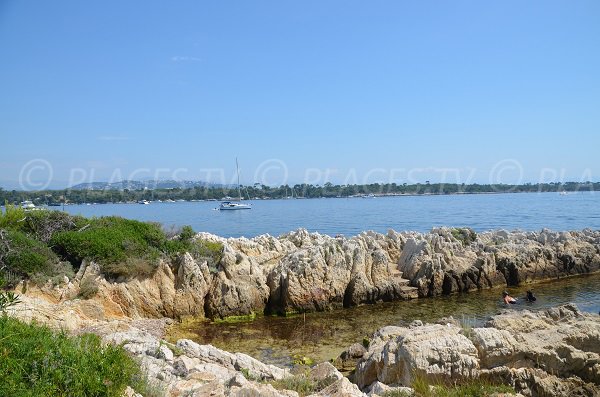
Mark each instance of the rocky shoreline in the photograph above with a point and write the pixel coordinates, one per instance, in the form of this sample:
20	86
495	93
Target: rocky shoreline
302	272
554	352
547	353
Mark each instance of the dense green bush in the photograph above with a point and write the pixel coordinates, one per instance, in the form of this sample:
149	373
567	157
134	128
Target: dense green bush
113	242
24	252
32	243
35	361
44	224
24	255
12	217
210	251
55	274
186	234
39	224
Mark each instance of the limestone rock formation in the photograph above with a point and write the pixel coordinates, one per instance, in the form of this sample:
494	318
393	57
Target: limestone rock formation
239	288
555	352
431	350
325	272
301	271
561	341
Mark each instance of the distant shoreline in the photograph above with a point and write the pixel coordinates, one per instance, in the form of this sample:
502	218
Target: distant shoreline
308	198
89	196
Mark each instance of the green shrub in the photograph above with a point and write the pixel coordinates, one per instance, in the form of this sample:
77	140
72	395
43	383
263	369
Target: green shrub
131	267
475	388
112	241
421	387
55	274
366	341
299	359
39	224
35	361
32	243
88	288
209	251
13	217
467	388
303	384
24	255
44	224
187	233
465	235
7	298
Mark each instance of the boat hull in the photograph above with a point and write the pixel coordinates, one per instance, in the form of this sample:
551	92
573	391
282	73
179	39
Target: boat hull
228	206
234	208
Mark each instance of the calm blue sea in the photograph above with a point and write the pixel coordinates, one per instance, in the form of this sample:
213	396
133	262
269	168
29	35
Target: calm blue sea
349	216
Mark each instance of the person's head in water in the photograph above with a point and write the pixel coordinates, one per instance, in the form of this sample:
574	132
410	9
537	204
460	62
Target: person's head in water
505	293
530	297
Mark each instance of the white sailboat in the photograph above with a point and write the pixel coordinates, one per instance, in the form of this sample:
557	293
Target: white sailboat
237	204
28	205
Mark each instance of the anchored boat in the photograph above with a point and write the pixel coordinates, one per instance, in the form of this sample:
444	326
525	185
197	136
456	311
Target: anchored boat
237	204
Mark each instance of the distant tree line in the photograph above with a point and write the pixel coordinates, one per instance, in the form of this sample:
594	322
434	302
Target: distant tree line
328	190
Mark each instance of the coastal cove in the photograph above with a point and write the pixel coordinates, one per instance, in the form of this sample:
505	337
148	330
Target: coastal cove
300	199
350	216
322	336
311	296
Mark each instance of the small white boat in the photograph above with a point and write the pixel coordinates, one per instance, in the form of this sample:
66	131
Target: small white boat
229	205
232	205
563	193
144	202
27	205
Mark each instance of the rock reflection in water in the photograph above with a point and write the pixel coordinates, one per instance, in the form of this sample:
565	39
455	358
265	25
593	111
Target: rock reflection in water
322	336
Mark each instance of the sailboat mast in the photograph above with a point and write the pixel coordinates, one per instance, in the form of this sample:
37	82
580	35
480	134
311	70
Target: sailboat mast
238	175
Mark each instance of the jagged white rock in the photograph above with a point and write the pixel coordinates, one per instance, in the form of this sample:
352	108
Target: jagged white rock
552	352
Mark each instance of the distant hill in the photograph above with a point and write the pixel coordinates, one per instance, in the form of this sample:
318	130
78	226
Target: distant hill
138	185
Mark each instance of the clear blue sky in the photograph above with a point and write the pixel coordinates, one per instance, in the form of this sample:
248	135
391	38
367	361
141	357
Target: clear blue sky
366	90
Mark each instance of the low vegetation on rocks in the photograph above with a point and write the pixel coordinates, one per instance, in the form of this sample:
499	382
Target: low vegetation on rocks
471	388
7	298
303	384
36	361
41	245
465	235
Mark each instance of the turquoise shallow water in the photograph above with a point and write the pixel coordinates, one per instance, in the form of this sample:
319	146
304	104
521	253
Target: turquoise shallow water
349	216
325	335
